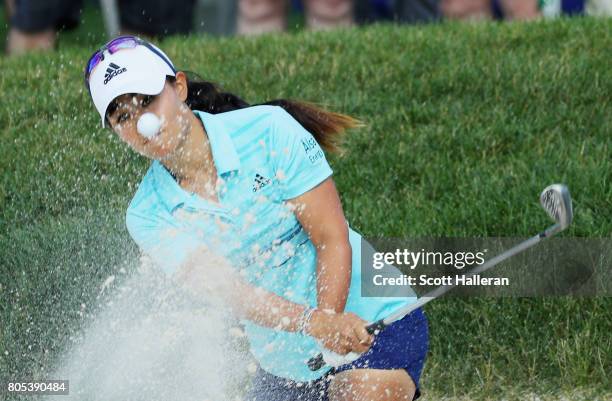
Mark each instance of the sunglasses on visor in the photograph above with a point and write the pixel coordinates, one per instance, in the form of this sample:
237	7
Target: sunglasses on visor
119	43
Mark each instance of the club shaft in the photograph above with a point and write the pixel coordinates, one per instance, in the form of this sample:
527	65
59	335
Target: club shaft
317	362
479	269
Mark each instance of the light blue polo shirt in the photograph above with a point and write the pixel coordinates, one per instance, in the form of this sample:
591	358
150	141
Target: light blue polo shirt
263	157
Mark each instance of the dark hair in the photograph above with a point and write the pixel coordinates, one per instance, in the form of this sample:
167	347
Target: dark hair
327	127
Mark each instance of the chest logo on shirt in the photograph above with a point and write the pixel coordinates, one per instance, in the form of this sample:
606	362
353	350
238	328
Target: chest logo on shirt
260	182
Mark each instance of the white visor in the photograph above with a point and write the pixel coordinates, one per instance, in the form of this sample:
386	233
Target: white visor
133	70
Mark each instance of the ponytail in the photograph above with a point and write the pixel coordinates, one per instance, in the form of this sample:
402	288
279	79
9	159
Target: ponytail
327	127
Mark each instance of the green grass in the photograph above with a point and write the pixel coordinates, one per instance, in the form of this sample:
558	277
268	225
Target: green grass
466	124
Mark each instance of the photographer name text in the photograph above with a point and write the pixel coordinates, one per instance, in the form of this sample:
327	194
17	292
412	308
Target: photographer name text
464	280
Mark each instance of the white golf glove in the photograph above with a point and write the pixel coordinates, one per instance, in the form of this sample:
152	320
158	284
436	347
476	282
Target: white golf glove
334	360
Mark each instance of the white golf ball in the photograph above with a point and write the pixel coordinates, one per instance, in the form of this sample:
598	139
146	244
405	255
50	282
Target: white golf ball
148	125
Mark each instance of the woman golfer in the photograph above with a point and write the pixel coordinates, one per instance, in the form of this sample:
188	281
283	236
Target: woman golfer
252	184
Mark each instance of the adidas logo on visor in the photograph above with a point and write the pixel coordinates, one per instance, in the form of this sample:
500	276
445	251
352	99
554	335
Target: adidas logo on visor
112	71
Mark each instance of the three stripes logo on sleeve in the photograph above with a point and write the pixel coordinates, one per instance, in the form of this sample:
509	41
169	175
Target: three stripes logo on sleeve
112	71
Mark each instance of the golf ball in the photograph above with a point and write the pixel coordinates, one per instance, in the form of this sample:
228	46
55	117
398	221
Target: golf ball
148	125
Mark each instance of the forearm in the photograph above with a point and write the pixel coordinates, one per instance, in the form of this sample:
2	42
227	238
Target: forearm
222	283
267	309
334	265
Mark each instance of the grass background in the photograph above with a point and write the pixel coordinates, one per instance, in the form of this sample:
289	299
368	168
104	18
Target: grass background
466	124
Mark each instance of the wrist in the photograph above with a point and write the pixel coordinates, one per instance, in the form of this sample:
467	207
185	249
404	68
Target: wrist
319	320
304	321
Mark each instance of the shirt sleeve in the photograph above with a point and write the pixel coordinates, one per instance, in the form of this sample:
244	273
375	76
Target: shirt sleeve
298	161
166	245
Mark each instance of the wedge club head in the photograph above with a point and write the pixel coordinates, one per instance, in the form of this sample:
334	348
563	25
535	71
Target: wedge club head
556	200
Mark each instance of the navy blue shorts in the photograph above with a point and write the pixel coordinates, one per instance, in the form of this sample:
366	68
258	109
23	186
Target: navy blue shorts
402	345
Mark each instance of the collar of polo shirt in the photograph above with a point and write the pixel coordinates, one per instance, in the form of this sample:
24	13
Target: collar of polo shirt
224	156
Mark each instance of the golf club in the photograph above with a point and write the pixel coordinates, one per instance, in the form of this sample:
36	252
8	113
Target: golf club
555	199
